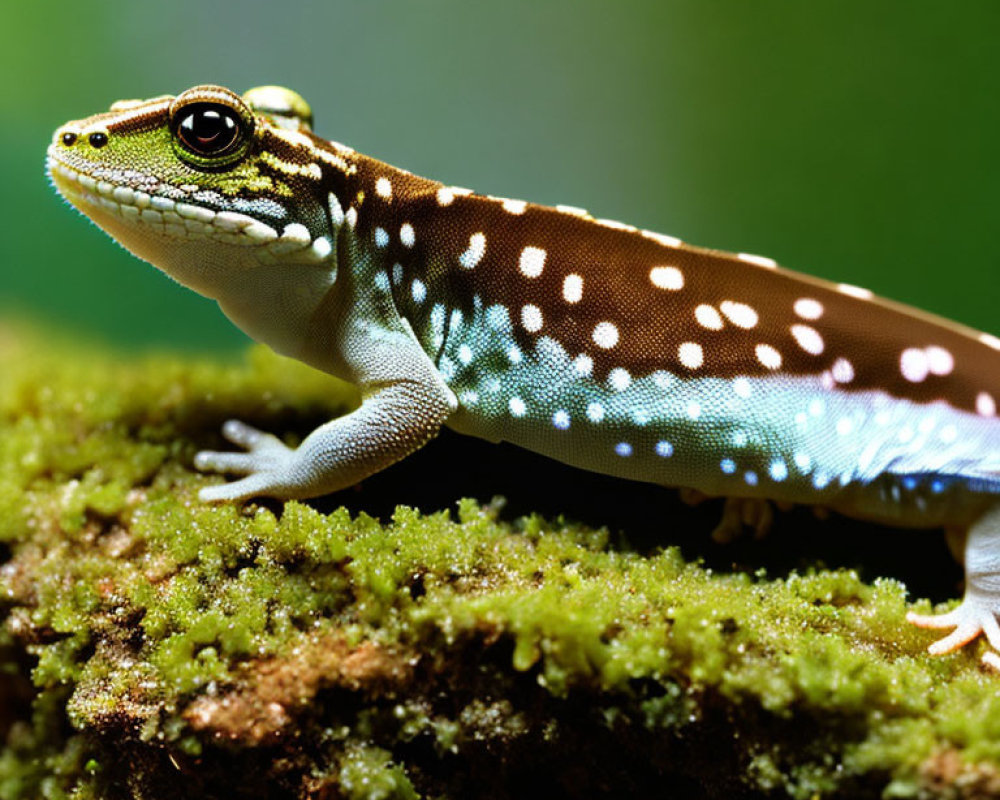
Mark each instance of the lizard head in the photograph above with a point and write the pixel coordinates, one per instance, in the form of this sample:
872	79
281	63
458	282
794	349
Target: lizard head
206	184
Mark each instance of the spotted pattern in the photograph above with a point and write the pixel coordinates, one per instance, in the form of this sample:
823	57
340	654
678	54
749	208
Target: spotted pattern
619	298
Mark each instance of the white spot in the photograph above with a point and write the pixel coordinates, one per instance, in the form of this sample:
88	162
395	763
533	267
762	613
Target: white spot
728	466
561	420
517	407
778	470
383	188
583	364
750	477
913	363
572	288
844	426
842	371
475	251
336	210
691	355
740	314
605	335
667	278
661	238
397	274
619	379
514	354
532	262
531	318
807	308
768	356
694	409
418	290
803	461
820	480
469	397
990	340
760	261
808	339
382	282
352	216
514	206
574	211
664	449
322	248
817	407
447	368
708	317
855	291
624	449
939	360
381	237
407	235
740	439
616	225
595	412
905	434
437	323
742	387
465	353
446	194
985	405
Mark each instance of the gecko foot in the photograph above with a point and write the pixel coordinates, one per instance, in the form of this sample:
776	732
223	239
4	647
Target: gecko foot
973	617
265	466
739	513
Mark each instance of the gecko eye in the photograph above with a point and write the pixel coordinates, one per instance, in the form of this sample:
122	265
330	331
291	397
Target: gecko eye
208	129
212	128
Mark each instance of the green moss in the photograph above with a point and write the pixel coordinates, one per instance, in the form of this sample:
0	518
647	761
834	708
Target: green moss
173	647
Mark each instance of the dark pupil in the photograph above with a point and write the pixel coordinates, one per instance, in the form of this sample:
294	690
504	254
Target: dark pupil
208	130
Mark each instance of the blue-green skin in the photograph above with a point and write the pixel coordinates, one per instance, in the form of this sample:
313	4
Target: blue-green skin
424	296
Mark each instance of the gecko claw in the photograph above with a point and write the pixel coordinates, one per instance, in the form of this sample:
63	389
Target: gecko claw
969	620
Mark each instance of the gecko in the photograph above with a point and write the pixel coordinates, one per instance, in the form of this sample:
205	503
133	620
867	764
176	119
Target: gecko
607	347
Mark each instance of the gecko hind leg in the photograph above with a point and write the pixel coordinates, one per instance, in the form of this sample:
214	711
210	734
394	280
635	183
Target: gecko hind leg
739	513
977	613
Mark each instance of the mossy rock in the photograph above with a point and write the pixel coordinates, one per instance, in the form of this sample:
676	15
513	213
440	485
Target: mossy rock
158	647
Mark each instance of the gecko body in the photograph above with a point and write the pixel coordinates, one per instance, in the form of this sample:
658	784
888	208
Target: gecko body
607	347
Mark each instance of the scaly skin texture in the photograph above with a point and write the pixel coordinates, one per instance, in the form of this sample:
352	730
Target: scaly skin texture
607	347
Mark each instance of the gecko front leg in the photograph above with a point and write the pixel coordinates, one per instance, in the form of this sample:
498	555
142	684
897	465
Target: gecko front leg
977	613
398	415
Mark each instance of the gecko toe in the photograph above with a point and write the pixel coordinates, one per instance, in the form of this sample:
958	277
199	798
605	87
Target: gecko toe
236	463
971	619
242	434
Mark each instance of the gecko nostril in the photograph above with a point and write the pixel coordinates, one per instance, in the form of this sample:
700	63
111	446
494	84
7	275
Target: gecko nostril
98	139
69	138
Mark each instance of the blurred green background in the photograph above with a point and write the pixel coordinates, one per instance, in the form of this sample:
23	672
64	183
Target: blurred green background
854	139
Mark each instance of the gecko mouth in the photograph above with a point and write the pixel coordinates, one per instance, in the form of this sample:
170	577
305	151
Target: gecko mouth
151	210
95	196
